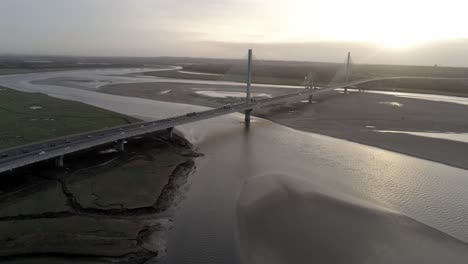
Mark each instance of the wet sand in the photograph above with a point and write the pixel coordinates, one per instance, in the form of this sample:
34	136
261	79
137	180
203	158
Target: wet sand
357	117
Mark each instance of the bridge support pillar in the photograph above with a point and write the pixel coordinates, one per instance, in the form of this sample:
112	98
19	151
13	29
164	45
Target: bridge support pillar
121	145
247	115
59	161
170	130
310	99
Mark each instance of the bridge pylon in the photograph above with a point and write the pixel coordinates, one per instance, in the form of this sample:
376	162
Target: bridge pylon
309	80
348	62
249	81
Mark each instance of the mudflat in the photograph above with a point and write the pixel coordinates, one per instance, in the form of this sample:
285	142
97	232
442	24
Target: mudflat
361	117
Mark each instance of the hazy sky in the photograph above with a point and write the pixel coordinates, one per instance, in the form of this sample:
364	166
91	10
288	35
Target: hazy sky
375	31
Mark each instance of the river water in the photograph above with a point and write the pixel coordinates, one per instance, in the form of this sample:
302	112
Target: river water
280	173
206	228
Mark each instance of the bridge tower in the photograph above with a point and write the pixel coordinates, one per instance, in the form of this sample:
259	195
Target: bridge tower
249	81
347	71
309	80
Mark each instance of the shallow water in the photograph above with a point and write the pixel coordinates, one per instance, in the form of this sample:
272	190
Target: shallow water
220	94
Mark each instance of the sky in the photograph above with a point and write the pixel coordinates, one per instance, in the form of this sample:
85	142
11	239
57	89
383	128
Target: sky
375	31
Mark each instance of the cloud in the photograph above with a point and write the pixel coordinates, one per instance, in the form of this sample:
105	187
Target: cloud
293	30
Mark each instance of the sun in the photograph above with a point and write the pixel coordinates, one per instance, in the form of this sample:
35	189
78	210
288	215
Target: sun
399	24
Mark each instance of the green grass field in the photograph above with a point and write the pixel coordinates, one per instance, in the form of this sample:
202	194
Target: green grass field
30	117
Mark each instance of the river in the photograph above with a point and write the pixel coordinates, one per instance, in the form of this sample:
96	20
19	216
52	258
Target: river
250	170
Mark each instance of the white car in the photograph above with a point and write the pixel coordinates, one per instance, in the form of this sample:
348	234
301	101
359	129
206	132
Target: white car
42	153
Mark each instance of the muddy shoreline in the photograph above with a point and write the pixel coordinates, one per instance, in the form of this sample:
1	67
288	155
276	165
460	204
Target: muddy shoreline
104	207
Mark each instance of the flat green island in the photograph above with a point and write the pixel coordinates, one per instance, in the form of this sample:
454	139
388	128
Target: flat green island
30	117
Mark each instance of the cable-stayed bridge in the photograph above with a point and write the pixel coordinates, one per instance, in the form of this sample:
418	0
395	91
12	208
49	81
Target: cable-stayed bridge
57	148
